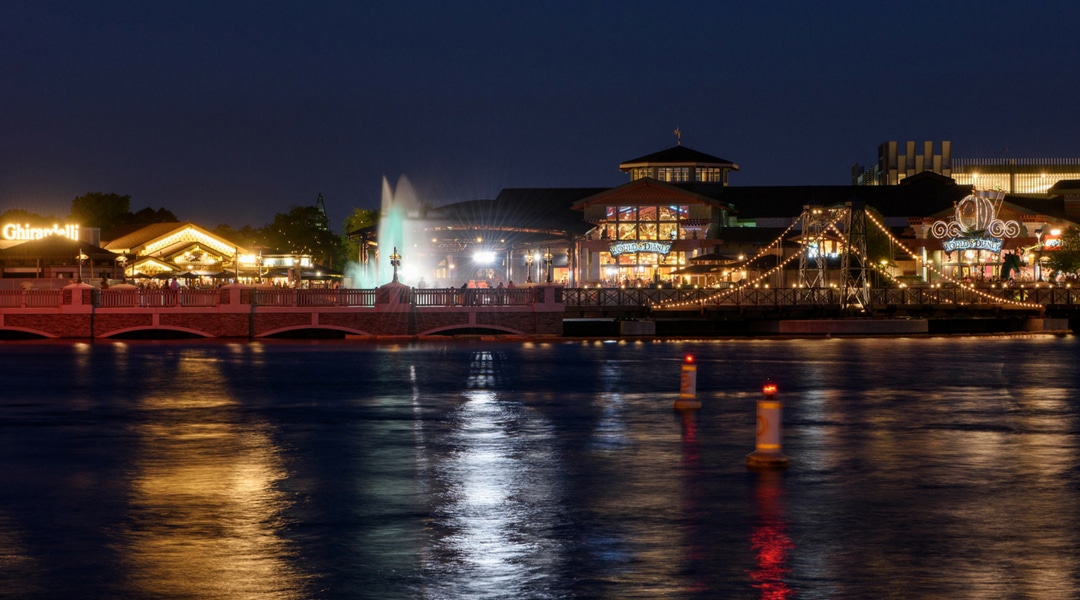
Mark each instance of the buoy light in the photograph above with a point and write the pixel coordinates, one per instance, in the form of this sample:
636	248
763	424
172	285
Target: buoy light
769	389
689	358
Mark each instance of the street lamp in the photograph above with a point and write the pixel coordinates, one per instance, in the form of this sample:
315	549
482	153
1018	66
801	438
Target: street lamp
395	261
81	258
122	261
528	267
548	260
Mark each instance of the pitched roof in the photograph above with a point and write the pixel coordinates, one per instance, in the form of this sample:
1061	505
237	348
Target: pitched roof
132	236
56	246
1065	186
648	191
678	155
889	200
525	208
146	234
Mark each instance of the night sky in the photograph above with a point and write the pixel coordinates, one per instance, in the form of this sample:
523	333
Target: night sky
229	112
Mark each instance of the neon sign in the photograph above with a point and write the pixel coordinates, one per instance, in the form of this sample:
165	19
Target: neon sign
617	248
976	217
14	231
972	243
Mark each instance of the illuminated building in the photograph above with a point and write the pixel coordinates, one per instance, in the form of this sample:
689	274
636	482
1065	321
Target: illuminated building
1026	176
680	164
175	249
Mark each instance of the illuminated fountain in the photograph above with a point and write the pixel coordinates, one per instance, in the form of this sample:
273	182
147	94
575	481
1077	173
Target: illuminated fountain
398	222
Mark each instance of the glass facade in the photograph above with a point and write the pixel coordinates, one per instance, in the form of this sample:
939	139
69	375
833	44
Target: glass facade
643	224
1015	179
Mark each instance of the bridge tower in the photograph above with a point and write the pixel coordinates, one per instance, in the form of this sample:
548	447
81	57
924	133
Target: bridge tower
856	290
815	221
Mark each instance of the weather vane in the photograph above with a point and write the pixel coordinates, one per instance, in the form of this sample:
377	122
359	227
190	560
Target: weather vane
678	137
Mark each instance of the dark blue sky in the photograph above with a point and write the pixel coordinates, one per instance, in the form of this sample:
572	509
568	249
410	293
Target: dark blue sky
234	111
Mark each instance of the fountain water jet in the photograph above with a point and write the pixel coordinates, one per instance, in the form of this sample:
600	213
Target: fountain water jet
399	227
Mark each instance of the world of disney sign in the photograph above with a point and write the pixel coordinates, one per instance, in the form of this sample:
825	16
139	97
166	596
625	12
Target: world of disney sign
617	248
15	231
975	225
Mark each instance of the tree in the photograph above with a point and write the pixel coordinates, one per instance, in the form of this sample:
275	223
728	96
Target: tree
300	232
96	209
246	236
359	218
18	215
149	215
1067	258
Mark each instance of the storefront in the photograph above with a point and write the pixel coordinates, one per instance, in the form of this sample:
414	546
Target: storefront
645	232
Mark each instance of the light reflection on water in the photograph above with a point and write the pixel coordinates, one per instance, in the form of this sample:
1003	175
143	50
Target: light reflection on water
204	513
922	468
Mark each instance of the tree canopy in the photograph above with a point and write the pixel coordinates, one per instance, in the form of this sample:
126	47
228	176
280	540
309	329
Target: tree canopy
18	215
301	231
1067	258
359	218
106	211
96	209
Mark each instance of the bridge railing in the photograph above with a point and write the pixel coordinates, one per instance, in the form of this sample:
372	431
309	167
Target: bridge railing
444	297
30	298
794	297
525	296
136	298
290	297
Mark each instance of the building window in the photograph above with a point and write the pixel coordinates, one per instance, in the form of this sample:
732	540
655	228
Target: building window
631	223
709	175
673	174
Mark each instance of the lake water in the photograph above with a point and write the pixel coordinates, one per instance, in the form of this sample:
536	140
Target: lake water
920	468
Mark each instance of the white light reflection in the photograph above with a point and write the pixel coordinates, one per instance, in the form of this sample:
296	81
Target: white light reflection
497	505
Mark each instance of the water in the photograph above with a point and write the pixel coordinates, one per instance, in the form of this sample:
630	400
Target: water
921	468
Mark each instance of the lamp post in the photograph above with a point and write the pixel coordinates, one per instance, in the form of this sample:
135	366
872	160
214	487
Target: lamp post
548	260
122	261
395	262
528	267
81	257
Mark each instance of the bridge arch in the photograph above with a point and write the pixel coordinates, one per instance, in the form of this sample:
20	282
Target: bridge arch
8	332
291	328
148	329
483	329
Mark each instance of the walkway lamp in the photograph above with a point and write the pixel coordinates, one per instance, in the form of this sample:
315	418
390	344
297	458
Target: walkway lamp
81	257
528	267
395	262
547	261
122	261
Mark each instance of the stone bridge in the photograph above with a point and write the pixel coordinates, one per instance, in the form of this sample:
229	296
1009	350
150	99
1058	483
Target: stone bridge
237	311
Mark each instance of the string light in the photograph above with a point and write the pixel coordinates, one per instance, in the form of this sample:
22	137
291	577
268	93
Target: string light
834	219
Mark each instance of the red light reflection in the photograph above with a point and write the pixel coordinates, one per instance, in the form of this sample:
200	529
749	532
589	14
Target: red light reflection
770	540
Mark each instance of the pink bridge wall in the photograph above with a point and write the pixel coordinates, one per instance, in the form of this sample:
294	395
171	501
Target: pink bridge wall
76	318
